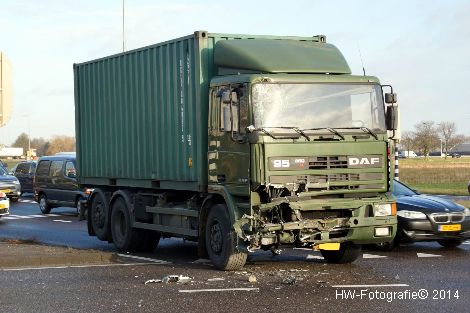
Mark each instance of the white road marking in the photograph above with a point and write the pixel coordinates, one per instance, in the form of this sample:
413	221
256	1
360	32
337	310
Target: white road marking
314	257
71	266
143	258
218	290
22	217
373	256
62	221
466	242
428	255
370	286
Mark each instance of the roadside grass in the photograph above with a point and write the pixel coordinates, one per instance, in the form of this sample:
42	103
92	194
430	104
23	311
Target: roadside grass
465	203
436	175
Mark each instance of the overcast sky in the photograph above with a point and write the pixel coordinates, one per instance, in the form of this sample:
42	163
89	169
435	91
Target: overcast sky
422	48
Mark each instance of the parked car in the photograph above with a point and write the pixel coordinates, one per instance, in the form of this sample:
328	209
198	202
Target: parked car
4	204
455	155
428	218
9	184
55	183
24	171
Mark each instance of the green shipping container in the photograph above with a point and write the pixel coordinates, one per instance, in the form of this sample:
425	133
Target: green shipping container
141	116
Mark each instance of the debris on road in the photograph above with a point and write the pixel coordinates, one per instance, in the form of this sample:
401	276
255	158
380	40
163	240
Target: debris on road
252	279
290	280
170	279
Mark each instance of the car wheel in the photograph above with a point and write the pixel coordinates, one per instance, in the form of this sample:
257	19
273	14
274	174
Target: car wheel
14	199
347	253
450	243
44	206
221	241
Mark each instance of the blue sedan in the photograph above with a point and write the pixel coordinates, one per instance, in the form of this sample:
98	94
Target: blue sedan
428	218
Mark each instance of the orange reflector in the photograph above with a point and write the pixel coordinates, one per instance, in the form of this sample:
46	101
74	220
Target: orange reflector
394	208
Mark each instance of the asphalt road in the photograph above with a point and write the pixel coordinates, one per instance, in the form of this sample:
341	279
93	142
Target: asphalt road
297	281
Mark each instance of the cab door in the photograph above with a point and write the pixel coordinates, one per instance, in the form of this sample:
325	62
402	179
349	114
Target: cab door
229	152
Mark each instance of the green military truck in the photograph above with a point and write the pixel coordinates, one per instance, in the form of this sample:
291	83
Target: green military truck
238	142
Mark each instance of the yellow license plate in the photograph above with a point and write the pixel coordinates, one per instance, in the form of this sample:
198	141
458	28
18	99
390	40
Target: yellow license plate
450	227
6	190
3	205
328	246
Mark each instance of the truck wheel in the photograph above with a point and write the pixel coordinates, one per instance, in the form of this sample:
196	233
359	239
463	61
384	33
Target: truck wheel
125	237
99	217
149	240
221	241
450	243
347	253
43	204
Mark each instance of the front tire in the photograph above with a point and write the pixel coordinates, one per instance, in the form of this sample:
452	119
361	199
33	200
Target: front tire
347	253
450	243
221	241
44	206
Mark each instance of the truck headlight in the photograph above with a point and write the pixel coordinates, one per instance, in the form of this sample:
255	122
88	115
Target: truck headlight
385	209
412	215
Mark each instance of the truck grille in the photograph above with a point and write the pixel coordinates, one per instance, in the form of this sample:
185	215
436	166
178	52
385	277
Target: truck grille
441	218
327	162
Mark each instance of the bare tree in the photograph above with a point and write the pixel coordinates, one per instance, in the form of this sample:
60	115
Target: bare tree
426	137
447	132
61	144
22	141
407	140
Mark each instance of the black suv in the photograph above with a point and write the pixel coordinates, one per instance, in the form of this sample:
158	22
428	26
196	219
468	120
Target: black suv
24	171
55	182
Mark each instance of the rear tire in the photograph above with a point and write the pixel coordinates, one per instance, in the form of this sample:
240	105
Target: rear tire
347	253
221	240
125	237
44	206
450	243
100	216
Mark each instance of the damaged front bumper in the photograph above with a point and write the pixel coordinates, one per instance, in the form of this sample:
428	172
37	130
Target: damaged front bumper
314	222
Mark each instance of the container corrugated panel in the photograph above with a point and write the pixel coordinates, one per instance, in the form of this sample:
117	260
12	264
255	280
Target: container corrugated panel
141	116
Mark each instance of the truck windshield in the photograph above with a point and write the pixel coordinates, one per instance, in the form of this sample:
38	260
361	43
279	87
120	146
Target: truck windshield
314	106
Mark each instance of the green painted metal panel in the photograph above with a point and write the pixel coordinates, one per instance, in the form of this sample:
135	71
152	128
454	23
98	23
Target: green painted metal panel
280	56
141	116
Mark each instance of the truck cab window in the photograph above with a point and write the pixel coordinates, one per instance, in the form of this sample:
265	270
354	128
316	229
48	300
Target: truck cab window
233	108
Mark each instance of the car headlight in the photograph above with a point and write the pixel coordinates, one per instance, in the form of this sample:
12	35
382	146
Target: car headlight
385	209
467	212
412	215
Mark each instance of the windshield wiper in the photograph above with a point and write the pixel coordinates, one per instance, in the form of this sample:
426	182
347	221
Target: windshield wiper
368	130
296	129
331	130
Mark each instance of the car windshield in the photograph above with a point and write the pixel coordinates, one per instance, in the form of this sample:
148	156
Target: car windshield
3	171
400	190
307	106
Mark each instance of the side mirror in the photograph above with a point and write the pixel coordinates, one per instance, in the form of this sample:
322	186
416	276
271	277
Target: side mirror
71	175
391	98
392	117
